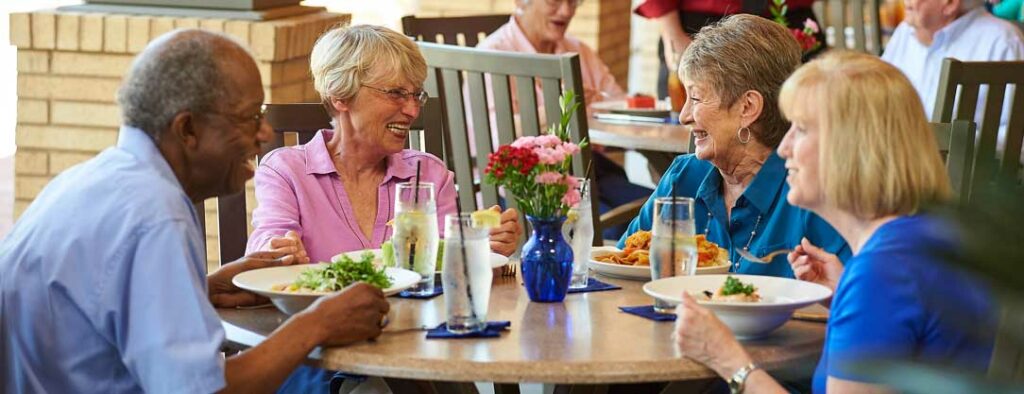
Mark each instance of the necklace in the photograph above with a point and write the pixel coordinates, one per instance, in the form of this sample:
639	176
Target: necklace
746	247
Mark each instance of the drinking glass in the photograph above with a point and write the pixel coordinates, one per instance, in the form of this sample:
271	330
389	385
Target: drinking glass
673	246
415	235
580	228
466	274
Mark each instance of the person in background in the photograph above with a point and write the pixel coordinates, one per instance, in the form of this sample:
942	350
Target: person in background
679	20
732	72
1008	9
861	154
102	286
336	193
540	26
933	30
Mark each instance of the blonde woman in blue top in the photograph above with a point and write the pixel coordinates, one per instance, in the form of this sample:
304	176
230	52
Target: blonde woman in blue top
732	73
861	154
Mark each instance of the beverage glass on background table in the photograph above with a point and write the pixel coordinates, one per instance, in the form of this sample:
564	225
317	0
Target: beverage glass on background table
580	229
673	245
466	274
415	236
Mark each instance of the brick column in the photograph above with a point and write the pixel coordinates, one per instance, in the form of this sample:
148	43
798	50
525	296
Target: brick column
70	66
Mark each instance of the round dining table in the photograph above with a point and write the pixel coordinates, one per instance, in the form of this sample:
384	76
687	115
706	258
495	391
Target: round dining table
658	142
584	340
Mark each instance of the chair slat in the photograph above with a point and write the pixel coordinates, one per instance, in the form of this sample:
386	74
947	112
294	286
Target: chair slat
552	88
463	166
857	16
481	132
1014	134
503	109
527	98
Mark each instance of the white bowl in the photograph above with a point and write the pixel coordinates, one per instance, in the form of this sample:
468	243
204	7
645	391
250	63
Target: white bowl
637	272
779	298
497	260
260	281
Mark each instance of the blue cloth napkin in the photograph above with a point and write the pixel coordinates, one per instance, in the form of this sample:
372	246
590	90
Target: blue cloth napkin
493	330
594	285
647	312
438	290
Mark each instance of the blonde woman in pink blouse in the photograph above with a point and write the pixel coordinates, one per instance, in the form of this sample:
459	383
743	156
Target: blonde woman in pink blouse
336	193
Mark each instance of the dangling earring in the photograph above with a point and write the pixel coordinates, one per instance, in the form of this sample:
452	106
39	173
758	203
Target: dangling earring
739	134
519	11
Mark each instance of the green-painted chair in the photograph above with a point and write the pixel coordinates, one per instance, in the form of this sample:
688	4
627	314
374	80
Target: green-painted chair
447	30
487	79
960	86
956	145
851	24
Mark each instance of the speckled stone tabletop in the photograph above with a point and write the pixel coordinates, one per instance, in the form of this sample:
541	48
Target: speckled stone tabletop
586	339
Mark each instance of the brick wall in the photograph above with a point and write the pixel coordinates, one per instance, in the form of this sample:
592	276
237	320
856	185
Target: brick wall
604	25
70	66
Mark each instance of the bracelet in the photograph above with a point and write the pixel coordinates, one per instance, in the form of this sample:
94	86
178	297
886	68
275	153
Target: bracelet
739	379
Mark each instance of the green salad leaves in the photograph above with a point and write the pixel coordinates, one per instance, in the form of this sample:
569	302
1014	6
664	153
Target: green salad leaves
341	273
734	286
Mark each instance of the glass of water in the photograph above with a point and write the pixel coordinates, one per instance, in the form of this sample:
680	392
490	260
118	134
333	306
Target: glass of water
673	246
580	228
466	274
415	235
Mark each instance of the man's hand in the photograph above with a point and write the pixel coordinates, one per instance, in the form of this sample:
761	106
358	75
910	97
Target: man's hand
505	237
224	294
350	316
290	243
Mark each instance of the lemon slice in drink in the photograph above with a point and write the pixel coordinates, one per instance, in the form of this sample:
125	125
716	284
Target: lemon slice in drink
485	218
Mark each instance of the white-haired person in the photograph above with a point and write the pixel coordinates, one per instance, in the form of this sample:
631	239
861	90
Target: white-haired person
862	155
336	193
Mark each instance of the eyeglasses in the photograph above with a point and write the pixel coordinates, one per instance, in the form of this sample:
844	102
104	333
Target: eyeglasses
257	118
558	3
399	95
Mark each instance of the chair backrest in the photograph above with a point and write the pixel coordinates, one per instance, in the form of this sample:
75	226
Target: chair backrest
1007	364
956	145
960	85
486	79
298	124
449	28
851	24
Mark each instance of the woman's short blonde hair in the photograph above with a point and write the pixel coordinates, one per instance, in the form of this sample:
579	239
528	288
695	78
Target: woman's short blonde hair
878	153
743	53
344	58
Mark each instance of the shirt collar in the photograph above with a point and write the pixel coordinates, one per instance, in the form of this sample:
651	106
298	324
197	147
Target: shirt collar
762	190
318	158
957	27
139	144
319	161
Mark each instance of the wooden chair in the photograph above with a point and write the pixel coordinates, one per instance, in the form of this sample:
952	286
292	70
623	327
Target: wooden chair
450	28
458	74
960	85
956	145
840	18
298	124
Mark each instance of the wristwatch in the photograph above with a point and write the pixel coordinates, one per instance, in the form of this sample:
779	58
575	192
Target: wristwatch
739	379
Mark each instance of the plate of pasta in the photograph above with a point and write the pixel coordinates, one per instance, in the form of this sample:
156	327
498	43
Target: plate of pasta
634	262
751	306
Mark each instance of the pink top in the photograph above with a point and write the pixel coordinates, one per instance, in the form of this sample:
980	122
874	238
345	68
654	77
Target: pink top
298	188
596	77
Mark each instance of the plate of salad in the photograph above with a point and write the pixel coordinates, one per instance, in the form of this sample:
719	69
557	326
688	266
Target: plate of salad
294	287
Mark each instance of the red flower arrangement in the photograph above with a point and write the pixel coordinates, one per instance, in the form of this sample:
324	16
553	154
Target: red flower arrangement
806	36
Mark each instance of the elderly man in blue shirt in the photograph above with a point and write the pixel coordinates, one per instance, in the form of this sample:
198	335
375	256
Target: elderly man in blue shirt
102	285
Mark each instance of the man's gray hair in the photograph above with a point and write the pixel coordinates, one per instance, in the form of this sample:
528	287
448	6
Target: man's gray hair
181	74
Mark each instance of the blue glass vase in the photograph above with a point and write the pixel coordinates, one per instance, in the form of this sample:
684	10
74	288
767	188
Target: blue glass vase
547	261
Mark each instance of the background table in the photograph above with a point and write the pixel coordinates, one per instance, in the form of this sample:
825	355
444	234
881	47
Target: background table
658	142
586	339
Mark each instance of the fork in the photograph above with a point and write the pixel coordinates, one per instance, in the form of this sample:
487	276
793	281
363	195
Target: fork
510	268
767	259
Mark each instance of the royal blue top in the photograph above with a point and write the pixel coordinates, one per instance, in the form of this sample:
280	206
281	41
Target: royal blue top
103	283
763	204
895	300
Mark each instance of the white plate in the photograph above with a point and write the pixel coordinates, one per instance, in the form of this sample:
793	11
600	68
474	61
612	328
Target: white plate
636	272
497	260
261	280
661	108
780	297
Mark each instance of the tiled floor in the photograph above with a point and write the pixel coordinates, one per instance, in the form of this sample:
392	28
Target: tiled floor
6	194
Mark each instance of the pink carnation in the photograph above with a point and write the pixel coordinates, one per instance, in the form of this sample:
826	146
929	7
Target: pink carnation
571	197
572	182
525	142
548	141
811	25
549	178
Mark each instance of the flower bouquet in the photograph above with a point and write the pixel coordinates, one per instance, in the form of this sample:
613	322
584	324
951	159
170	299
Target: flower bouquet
536	172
